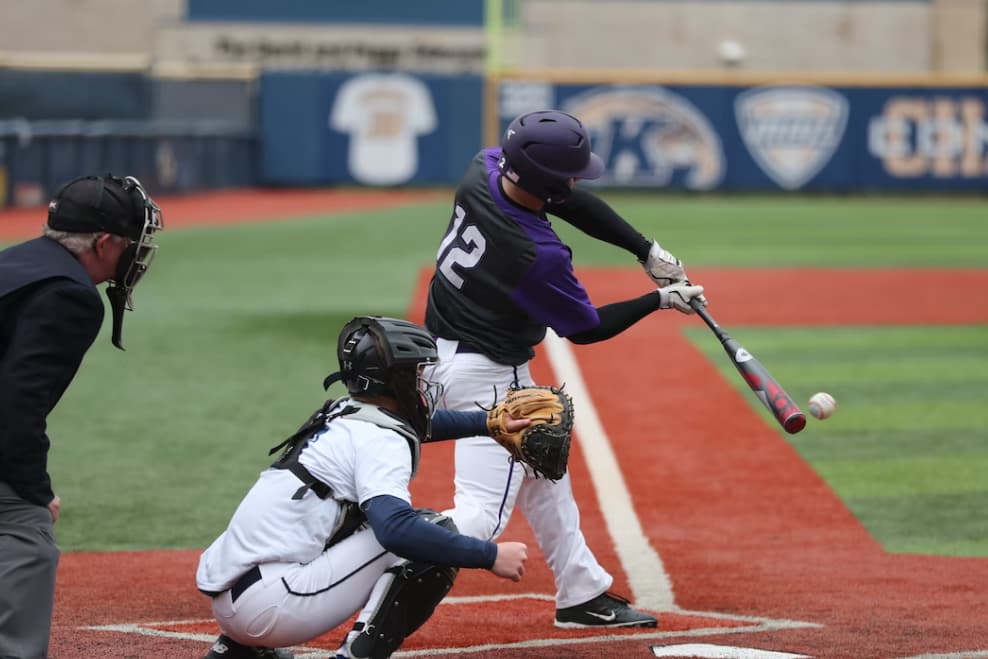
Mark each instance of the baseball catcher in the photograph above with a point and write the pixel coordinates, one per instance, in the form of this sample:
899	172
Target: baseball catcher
328	532
544	444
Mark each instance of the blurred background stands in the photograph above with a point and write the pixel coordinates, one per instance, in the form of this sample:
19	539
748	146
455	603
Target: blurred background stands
203	94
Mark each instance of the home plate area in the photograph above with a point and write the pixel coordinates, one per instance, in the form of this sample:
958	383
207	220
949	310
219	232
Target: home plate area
502	625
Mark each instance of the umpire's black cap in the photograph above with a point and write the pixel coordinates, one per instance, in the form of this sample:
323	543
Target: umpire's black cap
90	204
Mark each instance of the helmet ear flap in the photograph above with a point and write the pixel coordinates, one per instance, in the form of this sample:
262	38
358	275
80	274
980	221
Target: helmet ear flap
370	348
362	362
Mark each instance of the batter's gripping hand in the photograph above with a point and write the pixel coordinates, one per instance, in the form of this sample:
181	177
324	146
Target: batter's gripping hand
678	296
544	444
662	267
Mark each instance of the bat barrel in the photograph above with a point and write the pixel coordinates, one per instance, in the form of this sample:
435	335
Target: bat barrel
794	423
769	392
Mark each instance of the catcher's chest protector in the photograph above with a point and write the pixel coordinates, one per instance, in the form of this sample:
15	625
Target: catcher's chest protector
386	419
351	409
351	516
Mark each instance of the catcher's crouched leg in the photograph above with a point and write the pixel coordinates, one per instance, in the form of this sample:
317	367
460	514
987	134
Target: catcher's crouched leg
402	600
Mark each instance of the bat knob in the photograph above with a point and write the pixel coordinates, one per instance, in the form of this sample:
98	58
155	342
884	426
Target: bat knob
794	423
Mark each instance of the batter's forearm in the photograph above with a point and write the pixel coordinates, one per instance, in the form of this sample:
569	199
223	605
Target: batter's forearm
617	317
591	215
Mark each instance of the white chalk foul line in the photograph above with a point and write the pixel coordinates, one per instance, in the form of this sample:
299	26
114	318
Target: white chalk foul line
754	624
650	584
975	654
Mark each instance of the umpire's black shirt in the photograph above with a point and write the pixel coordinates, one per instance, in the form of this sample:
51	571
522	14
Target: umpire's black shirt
50	314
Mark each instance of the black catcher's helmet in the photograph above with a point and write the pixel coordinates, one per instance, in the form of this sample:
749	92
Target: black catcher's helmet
382	356
121	206
542	150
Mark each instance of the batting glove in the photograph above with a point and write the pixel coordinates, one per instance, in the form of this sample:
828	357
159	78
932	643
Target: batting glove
678	296
662	267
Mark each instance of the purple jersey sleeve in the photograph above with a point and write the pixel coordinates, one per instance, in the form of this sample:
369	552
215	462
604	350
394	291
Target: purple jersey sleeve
549	291
551	294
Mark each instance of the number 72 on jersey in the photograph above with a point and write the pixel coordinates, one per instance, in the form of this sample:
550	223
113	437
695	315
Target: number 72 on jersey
450	253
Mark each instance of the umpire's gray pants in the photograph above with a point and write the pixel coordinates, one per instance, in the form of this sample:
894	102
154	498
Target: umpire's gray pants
28	561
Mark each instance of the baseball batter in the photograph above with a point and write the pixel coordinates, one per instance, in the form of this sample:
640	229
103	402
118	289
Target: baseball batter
502	277
329	528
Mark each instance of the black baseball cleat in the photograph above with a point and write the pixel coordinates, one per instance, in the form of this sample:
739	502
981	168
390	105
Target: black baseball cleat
605	610
226	648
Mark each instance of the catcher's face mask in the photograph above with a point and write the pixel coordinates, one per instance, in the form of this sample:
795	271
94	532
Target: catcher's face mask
136	259
381	356
430	393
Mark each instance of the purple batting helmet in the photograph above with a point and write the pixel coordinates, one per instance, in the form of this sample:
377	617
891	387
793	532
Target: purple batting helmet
542	150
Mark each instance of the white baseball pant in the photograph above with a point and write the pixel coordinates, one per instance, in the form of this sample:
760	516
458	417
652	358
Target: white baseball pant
323	594
488	485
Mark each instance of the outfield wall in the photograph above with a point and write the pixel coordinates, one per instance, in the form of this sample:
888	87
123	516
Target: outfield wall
769	133
391	93
168	157
378	129
175	133
689	132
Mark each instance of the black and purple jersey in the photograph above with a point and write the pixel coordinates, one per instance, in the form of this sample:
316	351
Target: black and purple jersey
502	274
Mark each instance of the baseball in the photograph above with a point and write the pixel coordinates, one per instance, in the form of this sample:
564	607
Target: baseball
731	52
822	405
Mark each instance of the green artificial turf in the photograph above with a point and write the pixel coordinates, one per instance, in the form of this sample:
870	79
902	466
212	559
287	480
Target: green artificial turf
907	448
799	231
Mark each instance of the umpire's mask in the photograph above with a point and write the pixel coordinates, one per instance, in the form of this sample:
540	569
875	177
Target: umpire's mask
121	207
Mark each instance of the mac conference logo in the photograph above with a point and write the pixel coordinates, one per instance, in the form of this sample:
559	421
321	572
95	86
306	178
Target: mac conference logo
943	136
649	136
791	132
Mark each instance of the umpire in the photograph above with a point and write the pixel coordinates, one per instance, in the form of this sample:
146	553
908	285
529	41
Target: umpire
99	229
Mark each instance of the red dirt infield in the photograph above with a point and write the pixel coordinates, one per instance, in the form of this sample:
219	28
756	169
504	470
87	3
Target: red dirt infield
761	554
236	207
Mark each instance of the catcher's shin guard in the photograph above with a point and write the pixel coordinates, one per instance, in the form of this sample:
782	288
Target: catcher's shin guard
402	600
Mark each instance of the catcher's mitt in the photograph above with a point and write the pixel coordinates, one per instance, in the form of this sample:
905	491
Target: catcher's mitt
543	445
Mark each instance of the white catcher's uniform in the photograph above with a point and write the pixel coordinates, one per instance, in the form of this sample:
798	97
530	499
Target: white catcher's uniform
305	590
488	485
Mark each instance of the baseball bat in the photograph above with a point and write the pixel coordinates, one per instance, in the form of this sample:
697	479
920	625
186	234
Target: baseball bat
766	388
